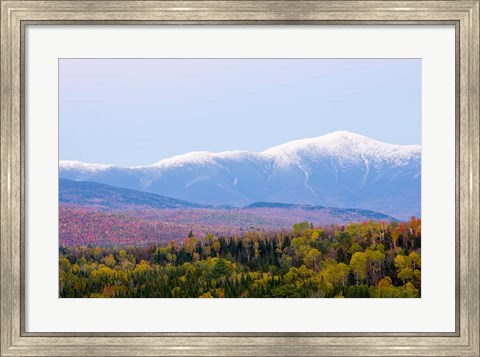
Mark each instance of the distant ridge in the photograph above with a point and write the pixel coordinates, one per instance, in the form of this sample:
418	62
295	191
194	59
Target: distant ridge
331	210
341	169
93	194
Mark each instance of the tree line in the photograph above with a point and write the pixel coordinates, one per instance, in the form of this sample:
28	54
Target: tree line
359	260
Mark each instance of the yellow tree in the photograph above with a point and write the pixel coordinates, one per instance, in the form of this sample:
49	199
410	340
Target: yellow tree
312	259
190	245
358	265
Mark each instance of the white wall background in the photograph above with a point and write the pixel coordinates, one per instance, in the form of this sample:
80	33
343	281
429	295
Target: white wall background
434	312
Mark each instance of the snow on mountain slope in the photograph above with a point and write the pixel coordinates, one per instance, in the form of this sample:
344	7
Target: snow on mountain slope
340	169
83	167
342	146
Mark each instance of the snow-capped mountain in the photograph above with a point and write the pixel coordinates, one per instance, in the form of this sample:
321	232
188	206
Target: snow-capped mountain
340	169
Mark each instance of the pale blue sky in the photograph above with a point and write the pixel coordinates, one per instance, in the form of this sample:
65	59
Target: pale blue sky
137	111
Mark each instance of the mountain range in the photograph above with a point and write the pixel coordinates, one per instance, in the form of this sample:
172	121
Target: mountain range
341	169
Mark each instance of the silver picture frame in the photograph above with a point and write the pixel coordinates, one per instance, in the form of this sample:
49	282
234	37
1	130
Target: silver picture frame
17	15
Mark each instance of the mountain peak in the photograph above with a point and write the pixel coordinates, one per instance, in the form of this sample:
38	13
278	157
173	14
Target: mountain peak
196	157
343	145
201	158
82	166
345	134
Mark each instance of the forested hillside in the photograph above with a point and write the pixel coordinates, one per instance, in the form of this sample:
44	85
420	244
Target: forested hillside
367	259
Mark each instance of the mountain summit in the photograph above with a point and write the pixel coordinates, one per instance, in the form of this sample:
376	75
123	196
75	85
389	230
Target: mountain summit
341	169
344	145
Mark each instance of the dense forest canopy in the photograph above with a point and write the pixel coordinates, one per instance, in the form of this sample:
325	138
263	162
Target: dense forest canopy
367	259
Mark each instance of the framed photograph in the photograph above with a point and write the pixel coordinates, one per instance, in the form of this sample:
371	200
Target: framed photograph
240	178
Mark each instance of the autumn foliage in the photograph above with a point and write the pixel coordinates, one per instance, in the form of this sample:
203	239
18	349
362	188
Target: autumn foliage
367	259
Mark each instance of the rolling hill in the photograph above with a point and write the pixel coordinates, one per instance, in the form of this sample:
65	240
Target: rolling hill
97	195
